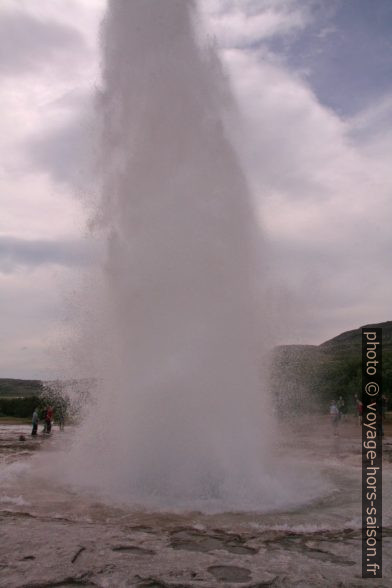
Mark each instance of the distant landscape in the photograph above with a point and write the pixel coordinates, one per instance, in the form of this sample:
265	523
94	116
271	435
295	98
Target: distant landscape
304	378
307	377
19	398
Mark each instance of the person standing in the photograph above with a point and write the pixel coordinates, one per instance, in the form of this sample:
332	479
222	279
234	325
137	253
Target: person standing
335	415
61	419
48	419
341	407
360	411
34	421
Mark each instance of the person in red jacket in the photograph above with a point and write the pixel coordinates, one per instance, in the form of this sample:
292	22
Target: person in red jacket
48	419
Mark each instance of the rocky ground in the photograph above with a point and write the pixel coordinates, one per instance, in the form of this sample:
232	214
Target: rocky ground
57	536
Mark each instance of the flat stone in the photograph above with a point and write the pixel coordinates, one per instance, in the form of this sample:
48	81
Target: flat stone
230	573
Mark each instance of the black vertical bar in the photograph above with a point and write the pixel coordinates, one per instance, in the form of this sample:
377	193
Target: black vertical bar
372	432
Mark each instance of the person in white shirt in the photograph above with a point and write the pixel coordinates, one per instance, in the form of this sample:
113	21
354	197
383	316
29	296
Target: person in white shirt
335	416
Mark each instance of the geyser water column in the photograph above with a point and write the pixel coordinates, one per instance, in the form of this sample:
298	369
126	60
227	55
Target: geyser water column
175	327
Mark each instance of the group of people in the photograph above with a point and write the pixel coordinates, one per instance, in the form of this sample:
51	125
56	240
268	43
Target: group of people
337	411
47	418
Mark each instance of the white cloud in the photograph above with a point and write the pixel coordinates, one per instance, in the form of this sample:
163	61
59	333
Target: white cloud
32	207
81	15
28	44
16	253
245	22
33	327
322	184
323	199
49	65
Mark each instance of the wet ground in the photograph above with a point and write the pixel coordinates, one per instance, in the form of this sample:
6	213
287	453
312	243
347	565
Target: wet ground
53	535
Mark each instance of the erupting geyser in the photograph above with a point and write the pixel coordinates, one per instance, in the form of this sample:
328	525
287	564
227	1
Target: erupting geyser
175	329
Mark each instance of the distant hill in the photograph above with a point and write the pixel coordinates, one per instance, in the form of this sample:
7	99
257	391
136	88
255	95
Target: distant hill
351	341
10	387
308	377
18	398
303	377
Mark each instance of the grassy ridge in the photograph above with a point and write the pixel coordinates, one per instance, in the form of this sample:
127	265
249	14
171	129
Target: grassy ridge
19	398
19	388
308	377
19	407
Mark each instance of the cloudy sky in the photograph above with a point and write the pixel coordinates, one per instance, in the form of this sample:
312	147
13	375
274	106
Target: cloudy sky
313	83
